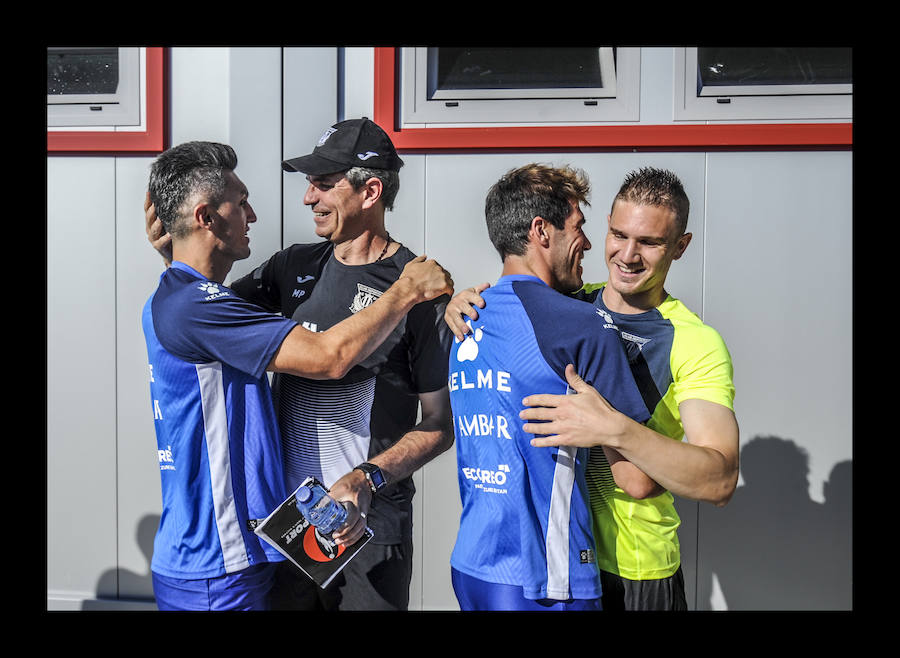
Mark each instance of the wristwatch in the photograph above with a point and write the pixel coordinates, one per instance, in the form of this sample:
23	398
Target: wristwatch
374	476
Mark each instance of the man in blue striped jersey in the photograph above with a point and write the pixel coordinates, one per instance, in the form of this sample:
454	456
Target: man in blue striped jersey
209	351
525	540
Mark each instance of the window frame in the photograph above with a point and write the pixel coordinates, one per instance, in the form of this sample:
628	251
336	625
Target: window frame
148	137
606	137
120	108
618	102
756	102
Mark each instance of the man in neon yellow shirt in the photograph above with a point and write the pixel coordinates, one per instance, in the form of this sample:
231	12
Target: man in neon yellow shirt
684	371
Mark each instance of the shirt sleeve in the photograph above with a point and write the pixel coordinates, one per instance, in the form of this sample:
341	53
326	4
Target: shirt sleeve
261	285
202	326
430	341
702	367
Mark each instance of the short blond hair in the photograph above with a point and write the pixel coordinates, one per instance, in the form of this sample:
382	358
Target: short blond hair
650	186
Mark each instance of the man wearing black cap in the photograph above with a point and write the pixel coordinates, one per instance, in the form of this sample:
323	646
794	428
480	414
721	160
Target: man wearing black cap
358	435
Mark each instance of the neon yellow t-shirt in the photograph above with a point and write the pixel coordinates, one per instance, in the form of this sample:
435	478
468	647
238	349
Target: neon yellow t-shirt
674	357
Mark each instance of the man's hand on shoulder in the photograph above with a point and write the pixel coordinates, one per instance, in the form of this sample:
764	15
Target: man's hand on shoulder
464	305
426	279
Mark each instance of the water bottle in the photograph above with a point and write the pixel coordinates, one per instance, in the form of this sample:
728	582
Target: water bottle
320	509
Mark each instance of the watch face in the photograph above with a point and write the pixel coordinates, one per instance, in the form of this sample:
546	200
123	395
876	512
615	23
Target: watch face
373	475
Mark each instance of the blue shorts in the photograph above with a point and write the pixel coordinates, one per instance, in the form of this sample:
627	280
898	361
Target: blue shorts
247	589
474	594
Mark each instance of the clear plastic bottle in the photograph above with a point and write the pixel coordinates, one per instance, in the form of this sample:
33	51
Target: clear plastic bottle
320	509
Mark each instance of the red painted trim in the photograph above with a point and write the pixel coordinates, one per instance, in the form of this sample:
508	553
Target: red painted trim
150	140
686	136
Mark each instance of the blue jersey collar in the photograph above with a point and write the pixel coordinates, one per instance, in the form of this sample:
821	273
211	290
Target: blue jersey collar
184	267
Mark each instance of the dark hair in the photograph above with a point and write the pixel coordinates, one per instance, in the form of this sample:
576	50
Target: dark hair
656	187
527	192
390	180
184	171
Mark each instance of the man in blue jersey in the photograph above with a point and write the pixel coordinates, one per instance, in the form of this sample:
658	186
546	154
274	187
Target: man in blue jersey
525	540
684	371
209	351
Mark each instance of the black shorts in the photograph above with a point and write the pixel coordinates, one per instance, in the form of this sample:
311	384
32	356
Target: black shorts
377	578
661	594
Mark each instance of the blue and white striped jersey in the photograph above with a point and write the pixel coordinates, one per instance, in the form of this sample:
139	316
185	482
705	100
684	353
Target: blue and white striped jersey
217	438
526	518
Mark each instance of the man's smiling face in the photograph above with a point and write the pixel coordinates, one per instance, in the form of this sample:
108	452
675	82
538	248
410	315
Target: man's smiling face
335	205
641	244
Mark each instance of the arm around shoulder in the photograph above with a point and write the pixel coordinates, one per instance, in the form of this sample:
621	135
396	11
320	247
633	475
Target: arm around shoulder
331	354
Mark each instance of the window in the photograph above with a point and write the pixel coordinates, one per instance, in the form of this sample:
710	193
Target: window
106	100
471	86
93	87
763	84
390	94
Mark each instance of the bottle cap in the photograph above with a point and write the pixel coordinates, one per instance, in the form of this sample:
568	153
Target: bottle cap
304	494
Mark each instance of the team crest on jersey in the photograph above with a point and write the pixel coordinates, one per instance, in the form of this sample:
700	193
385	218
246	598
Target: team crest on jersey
468	351
364	296
637	340
212	290
634	345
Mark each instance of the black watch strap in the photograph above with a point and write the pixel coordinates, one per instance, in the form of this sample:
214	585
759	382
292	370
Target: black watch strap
374	476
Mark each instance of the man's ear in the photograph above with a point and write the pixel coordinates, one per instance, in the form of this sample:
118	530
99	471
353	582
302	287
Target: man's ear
539	228
202	216
681	245
372	191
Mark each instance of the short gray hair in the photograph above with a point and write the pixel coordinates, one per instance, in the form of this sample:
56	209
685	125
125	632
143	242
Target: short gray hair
183	171
390	181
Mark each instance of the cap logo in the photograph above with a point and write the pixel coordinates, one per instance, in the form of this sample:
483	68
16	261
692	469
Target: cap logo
328	133
366	155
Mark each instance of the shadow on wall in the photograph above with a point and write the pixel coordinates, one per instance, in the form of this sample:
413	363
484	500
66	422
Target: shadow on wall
128	584
773	547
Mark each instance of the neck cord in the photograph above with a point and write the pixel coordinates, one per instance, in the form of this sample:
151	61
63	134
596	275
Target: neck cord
384	251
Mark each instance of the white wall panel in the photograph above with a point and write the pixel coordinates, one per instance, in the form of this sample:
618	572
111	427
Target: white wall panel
656	85
81	378
359	72
138	268
200	95
254	128
310	107
406	222
779	288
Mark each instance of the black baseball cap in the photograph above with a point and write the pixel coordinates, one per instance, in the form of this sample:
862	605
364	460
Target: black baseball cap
347	144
